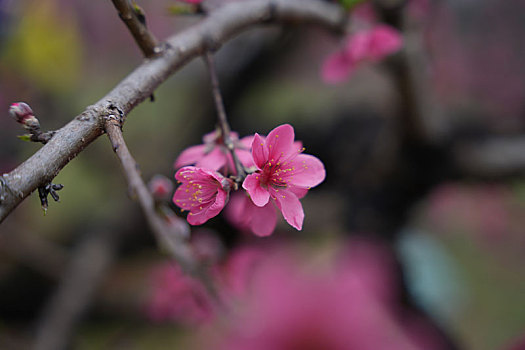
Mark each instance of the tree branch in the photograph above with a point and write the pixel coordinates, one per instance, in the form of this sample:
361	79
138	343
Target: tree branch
493	158
88	265
178	247
143	37
211	33
180	250
223	119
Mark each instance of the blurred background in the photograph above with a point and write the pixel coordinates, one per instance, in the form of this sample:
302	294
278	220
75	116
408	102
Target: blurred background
424	153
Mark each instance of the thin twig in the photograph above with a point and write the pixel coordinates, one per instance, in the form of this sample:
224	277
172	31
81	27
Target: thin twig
223	119
178	247
143	37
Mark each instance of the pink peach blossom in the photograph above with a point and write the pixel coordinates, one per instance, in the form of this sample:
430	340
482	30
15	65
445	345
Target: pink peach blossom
202	192
214	154
175	296
290	303
364	46
282	173
384	40
245	215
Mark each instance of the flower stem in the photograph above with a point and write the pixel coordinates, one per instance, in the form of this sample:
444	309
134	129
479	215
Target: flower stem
223	120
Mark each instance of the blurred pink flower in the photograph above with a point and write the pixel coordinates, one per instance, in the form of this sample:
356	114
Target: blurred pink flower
177	297
245	215
283	174
207	246
214	155
481	210
202	192
364	46
285	303
235	274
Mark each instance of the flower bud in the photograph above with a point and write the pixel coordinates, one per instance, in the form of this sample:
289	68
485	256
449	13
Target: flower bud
161	188
23	114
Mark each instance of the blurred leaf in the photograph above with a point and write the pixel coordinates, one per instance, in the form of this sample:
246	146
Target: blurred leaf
182	9
25	137
348	4
46	46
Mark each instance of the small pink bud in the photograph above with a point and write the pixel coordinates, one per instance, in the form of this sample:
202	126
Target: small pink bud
161	188
23	114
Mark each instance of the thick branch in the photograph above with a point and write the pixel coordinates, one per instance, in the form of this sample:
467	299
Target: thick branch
143	37
211	33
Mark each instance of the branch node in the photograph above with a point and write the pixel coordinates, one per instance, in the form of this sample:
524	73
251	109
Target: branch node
211	45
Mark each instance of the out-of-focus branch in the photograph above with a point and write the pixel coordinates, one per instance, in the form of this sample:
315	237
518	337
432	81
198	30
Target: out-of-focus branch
491	159
80	280
137	26
211	33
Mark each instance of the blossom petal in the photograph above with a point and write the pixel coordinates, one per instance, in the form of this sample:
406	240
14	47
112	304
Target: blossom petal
384	41
290	206
200	216
300	192
245	158
259	151
236	210
307	171
263	219
259	195
189	156
358	46
280	143
213	160
185	174
247	141
337	67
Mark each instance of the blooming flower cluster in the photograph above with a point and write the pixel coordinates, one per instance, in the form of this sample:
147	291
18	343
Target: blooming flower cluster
278	175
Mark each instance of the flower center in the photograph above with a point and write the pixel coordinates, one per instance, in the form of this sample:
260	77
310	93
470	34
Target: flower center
271	175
